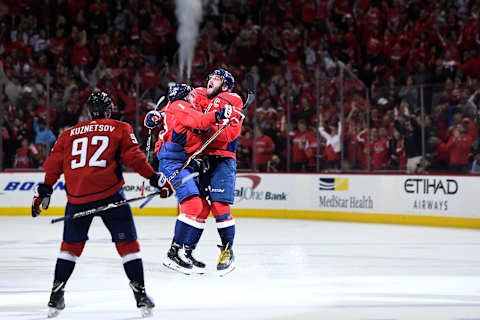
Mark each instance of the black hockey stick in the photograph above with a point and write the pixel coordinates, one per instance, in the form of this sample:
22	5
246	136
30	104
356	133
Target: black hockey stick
119	203
150	130
250	99
149	141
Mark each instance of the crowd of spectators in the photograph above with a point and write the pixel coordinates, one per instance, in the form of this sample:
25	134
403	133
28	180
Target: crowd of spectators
350	85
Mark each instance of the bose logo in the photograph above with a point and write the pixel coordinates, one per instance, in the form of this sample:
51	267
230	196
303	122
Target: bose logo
29	185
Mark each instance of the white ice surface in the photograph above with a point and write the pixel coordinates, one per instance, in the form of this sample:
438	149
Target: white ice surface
286	269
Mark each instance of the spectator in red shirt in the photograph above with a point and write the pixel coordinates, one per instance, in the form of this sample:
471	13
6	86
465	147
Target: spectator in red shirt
472	66
58	45
375	48
80	52
381	150
460	146
309	12
300	144
23	156
437	154
149	76
46	113
264	148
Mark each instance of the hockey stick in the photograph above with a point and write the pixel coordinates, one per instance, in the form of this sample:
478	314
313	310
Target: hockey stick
150	130
149	141
250	99
119	203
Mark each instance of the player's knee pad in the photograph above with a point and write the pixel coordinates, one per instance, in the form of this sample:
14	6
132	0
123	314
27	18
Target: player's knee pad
191	209
221	212
220	208
125	248
71	250
205	210
191	206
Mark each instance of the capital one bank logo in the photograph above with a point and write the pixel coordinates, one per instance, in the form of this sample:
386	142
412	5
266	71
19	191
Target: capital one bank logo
245	187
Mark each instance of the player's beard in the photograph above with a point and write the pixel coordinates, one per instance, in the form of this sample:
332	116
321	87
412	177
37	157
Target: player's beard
214	92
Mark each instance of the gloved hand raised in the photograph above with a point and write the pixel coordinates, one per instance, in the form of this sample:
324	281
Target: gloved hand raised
153	119
159	181
41	196
224	113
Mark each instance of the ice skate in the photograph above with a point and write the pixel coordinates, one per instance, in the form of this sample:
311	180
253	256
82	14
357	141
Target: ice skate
198	266
144	302
57	302
226	260
177	260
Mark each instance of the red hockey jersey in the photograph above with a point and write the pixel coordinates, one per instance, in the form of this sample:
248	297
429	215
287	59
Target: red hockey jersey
180	116
89	155
226	143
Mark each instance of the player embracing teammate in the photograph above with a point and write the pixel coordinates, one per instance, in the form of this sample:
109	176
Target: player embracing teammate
215	187
180	123
217	182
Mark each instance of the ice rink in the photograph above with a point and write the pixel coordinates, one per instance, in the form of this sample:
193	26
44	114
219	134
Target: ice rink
286	269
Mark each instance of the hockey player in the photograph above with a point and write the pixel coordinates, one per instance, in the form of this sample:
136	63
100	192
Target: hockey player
88	155
218	182
177	141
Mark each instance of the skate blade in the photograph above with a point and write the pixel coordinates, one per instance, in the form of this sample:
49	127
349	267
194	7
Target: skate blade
52	312
173	266
146	312
197	270
224	272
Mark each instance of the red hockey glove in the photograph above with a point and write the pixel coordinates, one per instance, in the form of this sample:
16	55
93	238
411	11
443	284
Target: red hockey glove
41	196
159	181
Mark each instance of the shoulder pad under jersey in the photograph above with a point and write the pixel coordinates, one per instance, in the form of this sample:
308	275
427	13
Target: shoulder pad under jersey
200	90
234	98
181	104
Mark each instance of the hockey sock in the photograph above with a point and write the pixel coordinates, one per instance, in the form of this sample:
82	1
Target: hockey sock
134	270
197	233
194	238
181	232
225	222
227	235
63	269
186	234
190	224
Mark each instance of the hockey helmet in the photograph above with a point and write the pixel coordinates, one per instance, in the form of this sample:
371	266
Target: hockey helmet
226	76
99	105
178	91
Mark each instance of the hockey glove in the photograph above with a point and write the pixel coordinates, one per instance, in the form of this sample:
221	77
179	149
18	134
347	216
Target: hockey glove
159	181
41	196
153	119
225	113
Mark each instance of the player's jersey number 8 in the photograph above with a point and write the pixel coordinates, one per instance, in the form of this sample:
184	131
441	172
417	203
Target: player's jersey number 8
80	148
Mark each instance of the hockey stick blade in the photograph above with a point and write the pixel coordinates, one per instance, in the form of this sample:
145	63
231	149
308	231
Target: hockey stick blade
250	83
159	102
121	202
250	90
